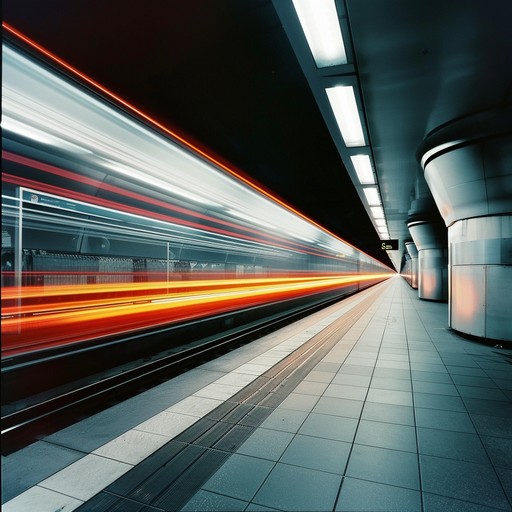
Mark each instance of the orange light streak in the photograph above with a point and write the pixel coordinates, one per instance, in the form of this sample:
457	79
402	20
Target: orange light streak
39	317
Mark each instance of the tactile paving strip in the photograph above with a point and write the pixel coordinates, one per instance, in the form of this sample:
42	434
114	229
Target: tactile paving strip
172	475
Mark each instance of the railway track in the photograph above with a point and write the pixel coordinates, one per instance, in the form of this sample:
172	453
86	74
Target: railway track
30	418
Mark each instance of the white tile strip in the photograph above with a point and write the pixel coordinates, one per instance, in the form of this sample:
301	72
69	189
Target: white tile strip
132	447
69	488
42	500
195	406
167	423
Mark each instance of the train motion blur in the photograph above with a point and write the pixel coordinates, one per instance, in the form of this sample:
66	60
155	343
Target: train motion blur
112	224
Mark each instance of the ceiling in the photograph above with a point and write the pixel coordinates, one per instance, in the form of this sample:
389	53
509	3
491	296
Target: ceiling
231	76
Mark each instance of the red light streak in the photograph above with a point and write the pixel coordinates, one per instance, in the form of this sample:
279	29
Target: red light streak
52	189
39	317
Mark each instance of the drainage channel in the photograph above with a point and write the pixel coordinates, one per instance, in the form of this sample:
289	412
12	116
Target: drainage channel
173	474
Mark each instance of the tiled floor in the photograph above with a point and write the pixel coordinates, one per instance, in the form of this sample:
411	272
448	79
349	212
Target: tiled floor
400	415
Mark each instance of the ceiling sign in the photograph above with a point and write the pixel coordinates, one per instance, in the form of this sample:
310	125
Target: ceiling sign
389	245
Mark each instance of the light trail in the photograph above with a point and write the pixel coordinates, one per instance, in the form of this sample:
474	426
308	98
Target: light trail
40	317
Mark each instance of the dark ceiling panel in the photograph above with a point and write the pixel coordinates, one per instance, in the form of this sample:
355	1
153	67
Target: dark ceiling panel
224	74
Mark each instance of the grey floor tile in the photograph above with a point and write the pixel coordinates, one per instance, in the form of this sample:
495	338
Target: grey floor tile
434	503
390	383
386	435
254	507
444	420
395	365
387	396
442	402
319	376
384	466
462	370
325	366
388	413
299	402
267	444
499	450
352	380
383	356
428	367
388	350
210	502
442	378
339	407
23	469
363	496
493	425
466	481
470	380
317	453
93	432
355	370
360	361
392	373
365	351
344	391
498	374
491	367
485	393
298	489
505	476
240	477
489	407
337	428
424	357
311	388
505	384
452	445
285	420
459	360
435	388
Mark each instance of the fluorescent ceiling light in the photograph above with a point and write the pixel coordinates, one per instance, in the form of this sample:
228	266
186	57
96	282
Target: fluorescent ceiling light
381	223
321	27
344	106
377	212
372	196
363	168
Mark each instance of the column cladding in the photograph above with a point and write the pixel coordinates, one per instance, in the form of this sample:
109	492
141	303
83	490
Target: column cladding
468	167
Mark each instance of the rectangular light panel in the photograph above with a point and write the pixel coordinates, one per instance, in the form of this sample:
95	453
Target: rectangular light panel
363	168
372	196
344	106
321	27
377	212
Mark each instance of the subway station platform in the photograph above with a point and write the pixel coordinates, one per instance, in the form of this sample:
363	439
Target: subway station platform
372	404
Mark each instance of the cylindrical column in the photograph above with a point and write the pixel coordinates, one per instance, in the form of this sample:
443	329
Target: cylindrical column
468	167
481	278
413	253
430	239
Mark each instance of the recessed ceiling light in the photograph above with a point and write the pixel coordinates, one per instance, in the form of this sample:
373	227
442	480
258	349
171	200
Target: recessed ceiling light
321	27
377	212
363	168
372	196
344	106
